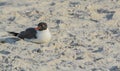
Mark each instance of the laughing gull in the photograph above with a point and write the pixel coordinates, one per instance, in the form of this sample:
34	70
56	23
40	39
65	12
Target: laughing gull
40	34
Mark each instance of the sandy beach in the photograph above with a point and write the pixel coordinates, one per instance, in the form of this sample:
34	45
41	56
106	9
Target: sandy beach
85	35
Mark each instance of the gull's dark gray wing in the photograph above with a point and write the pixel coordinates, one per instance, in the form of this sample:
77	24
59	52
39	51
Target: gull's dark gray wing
28	33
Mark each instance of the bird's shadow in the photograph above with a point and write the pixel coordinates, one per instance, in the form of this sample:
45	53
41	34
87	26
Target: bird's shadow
10	40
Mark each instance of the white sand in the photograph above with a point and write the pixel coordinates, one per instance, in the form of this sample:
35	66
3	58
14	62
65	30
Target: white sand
86	35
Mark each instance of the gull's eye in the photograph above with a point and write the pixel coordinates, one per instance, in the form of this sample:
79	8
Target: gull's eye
43	25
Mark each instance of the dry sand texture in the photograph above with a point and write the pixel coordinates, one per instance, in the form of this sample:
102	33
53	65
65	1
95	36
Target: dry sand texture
85	35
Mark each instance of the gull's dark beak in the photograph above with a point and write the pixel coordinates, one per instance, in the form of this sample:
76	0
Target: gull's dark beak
37	28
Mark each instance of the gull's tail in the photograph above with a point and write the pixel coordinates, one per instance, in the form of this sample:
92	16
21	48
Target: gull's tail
14	33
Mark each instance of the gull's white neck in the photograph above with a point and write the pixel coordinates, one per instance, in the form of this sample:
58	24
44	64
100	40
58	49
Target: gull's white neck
43	36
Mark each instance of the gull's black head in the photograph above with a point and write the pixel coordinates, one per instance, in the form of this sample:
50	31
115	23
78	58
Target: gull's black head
41	26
